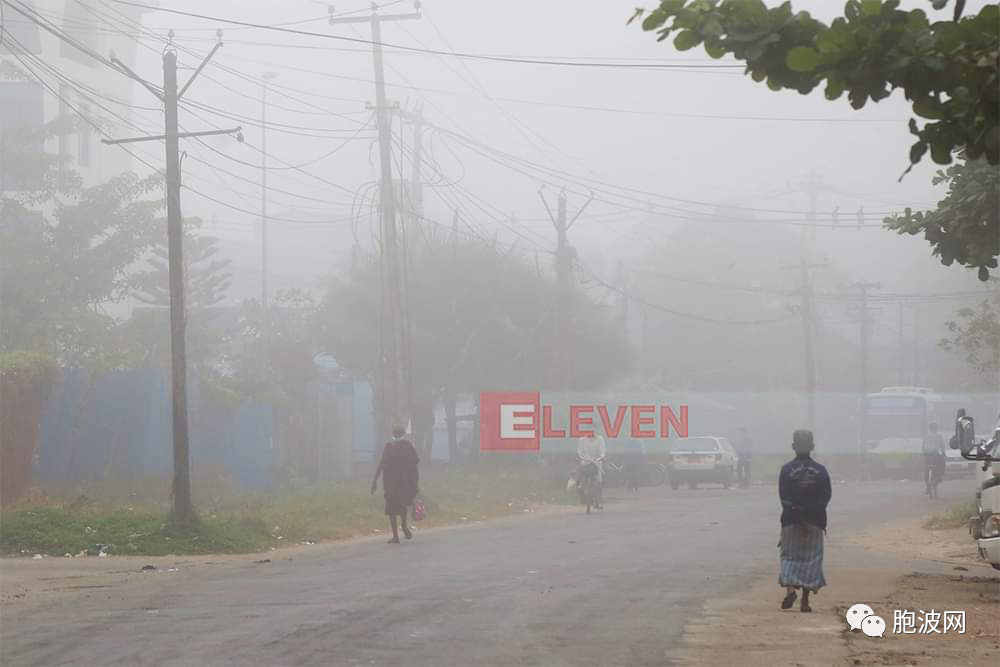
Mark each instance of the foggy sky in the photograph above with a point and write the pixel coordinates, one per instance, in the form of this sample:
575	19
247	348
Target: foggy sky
736	162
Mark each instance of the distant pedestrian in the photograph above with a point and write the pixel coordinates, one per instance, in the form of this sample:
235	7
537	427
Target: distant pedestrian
400	480
804	490
632	463
744	452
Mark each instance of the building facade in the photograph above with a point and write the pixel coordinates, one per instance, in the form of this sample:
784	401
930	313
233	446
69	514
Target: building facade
54	90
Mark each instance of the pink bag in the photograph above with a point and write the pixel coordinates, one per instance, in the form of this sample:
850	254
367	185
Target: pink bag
418	510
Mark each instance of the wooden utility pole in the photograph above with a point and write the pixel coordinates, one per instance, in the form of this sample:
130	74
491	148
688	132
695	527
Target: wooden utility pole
183	512
562	310
391	382
808	327
267	76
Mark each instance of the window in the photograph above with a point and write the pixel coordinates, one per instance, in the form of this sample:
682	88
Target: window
22	147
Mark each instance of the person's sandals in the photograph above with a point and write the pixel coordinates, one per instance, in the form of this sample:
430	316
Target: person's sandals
394	540
804	607
789	600
407	533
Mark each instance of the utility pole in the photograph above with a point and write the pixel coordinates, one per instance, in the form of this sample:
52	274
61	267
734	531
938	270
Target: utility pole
808	326
865	341
267	76
391	383
564	256
416	179
183	508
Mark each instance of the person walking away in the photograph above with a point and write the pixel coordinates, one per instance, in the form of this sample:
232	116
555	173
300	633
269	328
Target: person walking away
934	458
744	452
632	463
593	450
400	480
804	491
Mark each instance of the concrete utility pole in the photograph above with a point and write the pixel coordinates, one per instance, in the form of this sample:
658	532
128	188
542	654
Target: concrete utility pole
183	508
564	256
808	326
865	334
391	383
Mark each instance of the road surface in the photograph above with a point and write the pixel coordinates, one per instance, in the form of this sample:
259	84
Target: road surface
563	588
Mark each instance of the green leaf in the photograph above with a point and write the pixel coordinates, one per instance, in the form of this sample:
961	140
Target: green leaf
654	20
802	59
834	88
686	39
928	107
715	50
917	151
871	7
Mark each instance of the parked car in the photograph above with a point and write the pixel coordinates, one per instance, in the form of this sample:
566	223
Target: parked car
701	459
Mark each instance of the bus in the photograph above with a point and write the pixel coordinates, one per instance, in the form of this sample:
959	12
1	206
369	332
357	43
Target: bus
896	421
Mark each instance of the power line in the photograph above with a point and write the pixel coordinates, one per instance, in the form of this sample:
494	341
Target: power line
661	308
454	54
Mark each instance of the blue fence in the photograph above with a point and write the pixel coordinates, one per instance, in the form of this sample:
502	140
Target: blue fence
119	424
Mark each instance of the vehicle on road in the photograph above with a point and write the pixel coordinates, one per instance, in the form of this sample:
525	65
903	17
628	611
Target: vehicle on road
701	460
985	524
896	421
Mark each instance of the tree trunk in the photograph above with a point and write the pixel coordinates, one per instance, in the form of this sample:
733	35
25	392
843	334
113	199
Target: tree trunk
450	401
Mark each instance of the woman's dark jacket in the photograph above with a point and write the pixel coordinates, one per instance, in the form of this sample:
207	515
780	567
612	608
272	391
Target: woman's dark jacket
804	489
400	476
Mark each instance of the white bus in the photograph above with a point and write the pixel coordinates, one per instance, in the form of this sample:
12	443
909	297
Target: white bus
898	418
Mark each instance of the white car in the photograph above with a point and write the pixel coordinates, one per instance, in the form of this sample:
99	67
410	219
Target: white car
701	459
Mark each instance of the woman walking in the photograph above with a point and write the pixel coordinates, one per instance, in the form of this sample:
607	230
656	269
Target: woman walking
400	480
804	490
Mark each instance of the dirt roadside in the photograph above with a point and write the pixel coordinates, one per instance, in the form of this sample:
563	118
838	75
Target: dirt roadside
884	567
27	583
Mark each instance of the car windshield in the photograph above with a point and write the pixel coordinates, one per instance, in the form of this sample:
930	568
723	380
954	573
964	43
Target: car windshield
696	445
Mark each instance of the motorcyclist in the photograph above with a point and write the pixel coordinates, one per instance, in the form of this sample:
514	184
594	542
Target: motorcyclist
934	457
592	449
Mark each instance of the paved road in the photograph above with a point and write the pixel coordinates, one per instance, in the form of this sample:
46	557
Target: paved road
562	589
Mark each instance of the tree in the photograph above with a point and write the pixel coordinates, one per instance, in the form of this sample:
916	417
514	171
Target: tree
479	320
146	335
976	334
948	70
206	277
65	253
964	226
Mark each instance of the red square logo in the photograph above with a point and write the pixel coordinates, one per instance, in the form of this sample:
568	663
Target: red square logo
509	421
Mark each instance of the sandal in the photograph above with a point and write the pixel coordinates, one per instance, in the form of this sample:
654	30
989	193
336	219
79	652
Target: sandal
789	600
805	608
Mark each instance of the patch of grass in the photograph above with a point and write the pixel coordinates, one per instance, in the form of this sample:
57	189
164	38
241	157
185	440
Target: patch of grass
246	524
956	516
60	530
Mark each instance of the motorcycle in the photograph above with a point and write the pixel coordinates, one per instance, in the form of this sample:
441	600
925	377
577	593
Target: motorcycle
586	478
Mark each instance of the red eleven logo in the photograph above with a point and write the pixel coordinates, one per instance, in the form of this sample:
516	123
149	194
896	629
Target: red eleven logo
517	421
